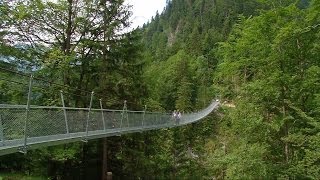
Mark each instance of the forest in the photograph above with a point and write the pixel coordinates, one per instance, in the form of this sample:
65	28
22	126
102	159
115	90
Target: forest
261	58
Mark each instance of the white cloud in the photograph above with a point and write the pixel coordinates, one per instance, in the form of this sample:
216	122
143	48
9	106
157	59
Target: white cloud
143	10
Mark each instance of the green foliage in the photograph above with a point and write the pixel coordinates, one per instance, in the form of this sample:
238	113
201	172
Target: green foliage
269	69
181	45
17	176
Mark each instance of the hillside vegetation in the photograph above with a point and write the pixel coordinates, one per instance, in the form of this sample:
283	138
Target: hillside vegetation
260	57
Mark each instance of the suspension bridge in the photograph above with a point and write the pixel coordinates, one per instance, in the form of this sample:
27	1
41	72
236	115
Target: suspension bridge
24	127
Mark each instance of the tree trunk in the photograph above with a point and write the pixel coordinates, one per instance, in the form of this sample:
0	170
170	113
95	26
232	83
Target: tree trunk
286	126
83	161
80	84
67	43
104	159
286	132
284	110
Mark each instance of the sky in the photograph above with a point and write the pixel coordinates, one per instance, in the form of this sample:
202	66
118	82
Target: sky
143	10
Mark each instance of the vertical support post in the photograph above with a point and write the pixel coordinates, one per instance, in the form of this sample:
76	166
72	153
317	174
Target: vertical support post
103	120
121	119
109	175
88	117
124	110
143	116
24	148
64	112
1	131
114	121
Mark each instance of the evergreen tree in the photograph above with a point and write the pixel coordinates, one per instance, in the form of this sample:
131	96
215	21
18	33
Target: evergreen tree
267	59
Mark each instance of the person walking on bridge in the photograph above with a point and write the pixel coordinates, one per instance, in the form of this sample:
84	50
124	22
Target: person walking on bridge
178	117
174	116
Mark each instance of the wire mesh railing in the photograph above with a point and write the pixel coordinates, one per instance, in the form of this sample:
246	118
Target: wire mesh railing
49	124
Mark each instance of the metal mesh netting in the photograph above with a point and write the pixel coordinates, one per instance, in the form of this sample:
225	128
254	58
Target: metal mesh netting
12	123
45	122
112	119
77	120
49	123
95	121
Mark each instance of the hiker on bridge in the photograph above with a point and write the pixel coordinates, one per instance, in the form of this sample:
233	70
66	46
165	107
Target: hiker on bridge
174	115
178	117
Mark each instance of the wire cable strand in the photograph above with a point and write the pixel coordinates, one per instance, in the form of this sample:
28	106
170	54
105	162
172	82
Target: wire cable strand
87	93
43	80
51	82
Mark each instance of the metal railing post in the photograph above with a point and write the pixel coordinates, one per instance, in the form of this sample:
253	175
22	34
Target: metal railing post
124	110
157	119
1	131
64	112
24	148
143	116
88	117
103	121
